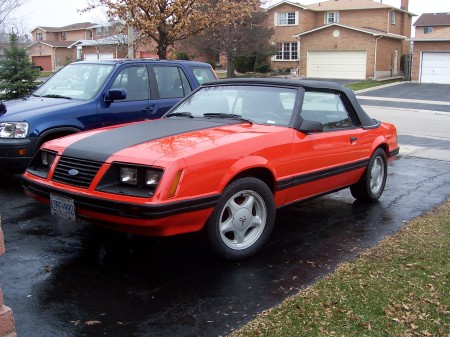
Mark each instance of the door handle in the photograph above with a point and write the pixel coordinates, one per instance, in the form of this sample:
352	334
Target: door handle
353	139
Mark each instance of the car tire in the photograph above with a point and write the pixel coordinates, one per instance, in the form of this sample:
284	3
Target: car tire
243	219
371	185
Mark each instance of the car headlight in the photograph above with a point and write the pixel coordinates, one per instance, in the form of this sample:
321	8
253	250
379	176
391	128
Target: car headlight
13	129
133	180
41	163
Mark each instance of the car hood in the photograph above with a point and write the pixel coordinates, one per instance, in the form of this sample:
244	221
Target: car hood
148	141
21	109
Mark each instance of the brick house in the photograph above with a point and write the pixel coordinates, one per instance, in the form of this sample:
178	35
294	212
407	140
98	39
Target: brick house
431	49
54	47
352	39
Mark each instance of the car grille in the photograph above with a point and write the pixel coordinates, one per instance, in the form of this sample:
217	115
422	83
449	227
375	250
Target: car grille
86	171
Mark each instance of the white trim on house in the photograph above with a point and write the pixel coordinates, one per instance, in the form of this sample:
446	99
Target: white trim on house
362	30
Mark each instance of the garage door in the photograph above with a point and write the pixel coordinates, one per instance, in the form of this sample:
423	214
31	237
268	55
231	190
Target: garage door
42	61
435	68
337	64
90	57
104	56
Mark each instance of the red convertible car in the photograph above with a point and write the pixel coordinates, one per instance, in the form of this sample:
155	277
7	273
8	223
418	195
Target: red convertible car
223	160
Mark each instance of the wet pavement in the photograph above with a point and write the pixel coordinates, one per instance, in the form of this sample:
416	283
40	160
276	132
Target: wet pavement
62	279
65	279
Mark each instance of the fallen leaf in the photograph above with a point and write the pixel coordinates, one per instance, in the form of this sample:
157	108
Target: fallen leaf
92	322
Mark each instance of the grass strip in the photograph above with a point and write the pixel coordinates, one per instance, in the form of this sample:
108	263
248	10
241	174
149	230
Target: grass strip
401	287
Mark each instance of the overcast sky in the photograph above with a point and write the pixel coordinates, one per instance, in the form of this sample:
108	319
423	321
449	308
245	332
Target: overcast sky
58	13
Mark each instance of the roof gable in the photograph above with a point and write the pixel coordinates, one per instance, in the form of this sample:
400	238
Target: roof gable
433	19
295	4
369	31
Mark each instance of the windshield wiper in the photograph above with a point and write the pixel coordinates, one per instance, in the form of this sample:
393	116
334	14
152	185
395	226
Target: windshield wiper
56	96
180	114
225	115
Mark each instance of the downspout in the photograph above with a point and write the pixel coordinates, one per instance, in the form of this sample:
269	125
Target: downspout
54	59
375	59
299	55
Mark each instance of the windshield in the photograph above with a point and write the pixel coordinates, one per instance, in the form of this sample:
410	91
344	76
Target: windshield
75	81
264	105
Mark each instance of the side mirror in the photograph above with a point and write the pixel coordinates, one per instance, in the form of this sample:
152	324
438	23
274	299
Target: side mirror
115	94
310	126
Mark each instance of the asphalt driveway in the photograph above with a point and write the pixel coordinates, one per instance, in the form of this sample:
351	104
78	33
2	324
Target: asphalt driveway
408	95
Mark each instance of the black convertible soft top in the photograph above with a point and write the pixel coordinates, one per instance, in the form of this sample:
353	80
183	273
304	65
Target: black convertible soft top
366	120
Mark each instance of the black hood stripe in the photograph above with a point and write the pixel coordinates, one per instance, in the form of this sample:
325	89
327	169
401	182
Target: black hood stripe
99	147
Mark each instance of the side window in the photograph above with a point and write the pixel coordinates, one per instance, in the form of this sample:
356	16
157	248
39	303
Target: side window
135	82
326	108
203	74
171	82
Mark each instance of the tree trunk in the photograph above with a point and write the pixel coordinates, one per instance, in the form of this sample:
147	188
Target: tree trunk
162	51
230	66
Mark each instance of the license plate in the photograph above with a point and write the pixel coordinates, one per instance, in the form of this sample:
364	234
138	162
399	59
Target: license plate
62	207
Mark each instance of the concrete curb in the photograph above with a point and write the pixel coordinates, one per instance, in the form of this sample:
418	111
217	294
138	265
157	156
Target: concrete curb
379	87
7	328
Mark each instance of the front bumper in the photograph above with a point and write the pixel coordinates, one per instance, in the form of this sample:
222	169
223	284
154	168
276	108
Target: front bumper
148	219
16	154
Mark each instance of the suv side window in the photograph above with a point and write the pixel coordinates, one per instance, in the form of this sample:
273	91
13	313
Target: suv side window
135	82
171	82
326	108
203	74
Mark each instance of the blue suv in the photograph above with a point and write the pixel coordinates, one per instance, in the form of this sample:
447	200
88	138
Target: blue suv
91	94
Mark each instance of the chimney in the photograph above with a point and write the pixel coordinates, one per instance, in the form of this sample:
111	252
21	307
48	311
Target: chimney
404	5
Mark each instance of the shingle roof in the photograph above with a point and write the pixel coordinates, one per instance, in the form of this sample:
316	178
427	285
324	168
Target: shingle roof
433	19
342	5
74	26
59	44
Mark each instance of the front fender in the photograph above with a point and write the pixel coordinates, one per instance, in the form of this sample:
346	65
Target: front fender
245	164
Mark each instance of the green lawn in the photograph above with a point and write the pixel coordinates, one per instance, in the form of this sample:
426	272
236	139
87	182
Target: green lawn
400	287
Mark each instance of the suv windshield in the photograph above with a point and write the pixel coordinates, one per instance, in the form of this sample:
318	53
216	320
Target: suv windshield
75	81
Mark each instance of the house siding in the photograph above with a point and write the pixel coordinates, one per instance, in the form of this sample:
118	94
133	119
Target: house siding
377	19
385	57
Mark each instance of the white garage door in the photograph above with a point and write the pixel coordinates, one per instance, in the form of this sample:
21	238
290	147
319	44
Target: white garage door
90	57
95	56
104	56
435	68
337	64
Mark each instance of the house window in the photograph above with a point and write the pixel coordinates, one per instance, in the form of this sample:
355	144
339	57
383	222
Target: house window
331	17
63	35
427	30
287	51
286	19
39	37
392	16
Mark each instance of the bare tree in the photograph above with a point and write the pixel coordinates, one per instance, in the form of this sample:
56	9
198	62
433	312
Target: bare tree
248	38
168	21
7	6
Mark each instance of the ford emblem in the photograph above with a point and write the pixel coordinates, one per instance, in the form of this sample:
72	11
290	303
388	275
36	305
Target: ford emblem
73	172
